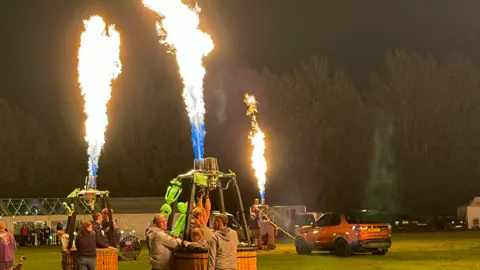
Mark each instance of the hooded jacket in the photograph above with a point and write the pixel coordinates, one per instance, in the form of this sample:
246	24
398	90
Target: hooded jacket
100	240
85	243
161	246
222	250
7	249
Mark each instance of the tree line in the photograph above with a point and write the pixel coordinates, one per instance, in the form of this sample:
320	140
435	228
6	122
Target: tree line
407	141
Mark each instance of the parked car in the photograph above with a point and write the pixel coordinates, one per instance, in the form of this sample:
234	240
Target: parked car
363	231
409	223
447	222
402	223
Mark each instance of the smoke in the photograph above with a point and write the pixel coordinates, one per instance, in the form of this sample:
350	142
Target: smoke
381	189
221	101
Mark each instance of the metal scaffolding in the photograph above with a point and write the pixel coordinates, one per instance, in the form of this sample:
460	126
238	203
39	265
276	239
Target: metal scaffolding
36	207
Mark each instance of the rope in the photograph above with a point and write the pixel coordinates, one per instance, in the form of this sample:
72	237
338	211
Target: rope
275	225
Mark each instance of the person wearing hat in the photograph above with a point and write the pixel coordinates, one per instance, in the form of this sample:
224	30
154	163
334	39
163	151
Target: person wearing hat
222	246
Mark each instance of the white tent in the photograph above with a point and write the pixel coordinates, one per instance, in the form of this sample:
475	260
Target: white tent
470	212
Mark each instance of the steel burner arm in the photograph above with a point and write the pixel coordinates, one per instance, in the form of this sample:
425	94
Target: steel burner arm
111	231
186	231
71	225
220	195
242	210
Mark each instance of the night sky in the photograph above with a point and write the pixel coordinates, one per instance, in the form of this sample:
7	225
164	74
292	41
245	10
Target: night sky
40	40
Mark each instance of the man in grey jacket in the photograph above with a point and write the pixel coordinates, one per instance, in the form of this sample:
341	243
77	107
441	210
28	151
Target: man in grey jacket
222	246
161	244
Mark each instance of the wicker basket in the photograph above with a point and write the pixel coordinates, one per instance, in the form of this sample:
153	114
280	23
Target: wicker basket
247	259
69	260
190	260
107	259
184	259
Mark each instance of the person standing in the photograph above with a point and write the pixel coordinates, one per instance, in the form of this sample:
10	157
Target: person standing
147	241
100	239
7	248
33	235
41	235
255	219
113	238
59	228
222	246
161	244
47	233
24	234
86	247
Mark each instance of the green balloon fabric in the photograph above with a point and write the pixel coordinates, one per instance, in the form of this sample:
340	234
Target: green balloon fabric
182	207
166	210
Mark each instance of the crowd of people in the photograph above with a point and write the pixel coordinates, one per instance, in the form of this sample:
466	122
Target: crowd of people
38	236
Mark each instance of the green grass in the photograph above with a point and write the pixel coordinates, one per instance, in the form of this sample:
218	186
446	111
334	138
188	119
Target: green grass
458	250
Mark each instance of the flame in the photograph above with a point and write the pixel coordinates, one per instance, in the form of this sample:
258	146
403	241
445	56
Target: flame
190	45
98	64
257	139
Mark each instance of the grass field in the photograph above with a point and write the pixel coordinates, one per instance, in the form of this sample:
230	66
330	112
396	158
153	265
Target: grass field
457	250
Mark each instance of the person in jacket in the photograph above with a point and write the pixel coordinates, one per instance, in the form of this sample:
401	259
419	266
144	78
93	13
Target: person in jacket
46	234
100	239
59	228
222	247
147	241
7	248
34	235
161	244
105	225
24	233
86	247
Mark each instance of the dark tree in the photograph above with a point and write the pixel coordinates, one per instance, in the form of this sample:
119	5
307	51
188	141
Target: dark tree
434	112
318	133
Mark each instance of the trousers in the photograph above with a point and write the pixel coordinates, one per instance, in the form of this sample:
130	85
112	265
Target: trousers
86	263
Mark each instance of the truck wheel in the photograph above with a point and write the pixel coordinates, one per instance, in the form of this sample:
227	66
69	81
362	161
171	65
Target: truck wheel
301	246
342	248
381	251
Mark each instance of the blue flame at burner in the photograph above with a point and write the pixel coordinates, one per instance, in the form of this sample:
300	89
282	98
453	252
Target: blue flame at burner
94	166
198	139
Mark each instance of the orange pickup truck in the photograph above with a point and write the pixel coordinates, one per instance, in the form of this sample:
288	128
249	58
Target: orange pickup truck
346	233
